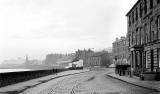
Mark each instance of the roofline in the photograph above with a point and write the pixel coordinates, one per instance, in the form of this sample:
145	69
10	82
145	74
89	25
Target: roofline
133	7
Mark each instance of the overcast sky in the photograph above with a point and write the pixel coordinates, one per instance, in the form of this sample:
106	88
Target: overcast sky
38	27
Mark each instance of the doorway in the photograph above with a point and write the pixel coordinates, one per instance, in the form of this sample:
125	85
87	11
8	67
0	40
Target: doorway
152	61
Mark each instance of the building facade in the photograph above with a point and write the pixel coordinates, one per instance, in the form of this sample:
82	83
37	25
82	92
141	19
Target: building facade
83	55
120	50
144	36
94	60
101	58
52	59
91	58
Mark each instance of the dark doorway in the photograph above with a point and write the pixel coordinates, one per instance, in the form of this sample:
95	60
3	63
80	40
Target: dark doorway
141	60
152	61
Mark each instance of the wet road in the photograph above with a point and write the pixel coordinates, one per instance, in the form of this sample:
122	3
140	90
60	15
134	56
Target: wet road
93	82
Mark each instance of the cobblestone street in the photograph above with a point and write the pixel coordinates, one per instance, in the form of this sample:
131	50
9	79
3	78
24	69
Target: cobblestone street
92	82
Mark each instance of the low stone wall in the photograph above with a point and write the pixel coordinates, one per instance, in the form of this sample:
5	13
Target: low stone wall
15	77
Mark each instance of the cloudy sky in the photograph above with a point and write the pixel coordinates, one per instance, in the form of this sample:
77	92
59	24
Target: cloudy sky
38	27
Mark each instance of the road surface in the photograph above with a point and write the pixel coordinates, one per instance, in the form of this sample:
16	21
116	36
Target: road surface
92	82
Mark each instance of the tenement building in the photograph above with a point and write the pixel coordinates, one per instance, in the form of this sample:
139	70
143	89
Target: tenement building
94	60
144	37
101	58
120	50
83	55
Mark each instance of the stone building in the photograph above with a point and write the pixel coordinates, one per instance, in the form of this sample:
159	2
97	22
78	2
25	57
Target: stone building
83	55
144	37
120	50
91	58
94	60
99	59
52	59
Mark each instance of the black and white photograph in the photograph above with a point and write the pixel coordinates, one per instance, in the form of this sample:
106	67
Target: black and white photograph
79	46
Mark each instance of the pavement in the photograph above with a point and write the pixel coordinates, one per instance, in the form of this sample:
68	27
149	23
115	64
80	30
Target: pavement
22	86
155	85
93	82
97	81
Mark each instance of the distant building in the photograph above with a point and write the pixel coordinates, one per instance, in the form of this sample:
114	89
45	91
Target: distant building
144	37
19	61
83	54
32	62
52	59
94	60
101	58
120	50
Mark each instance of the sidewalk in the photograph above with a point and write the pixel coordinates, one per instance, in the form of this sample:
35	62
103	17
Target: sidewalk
155	85
22	86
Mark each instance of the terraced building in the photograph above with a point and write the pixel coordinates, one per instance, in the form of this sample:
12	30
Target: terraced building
144	38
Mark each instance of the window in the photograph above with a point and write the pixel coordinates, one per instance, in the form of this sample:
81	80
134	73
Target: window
136	14
158	1
159	58
129	20
145	6
133	39
141	36
152	35
132	17
141	10
146	33
158	18
151	4
159	22
152	31
129	37
147	65
137	36
130	40
140	31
